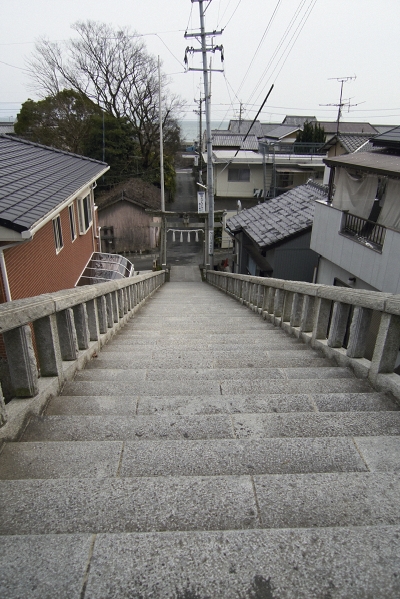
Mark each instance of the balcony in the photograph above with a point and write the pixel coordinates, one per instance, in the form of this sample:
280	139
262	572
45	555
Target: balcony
366	232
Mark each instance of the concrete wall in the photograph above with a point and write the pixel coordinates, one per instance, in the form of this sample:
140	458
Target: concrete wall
378	270
131	224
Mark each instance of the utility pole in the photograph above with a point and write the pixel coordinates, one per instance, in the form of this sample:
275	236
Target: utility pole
163	239
200	113
202	37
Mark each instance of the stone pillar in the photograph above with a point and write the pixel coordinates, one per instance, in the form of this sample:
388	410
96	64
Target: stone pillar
387	345
359	328
337	330
271	300
297	309
102	313
307	315
110	311
81	325
287	306
121	302
321	318
126	300
93	320
48	346
21	361
278	302
67	334
3	410
114	297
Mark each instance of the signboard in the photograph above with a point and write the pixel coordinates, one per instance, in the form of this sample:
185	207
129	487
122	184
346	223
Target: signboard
211	243
201	201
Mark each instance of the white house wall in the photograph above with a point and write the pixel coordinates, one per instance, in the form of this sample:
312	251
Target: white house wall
239	189
381	271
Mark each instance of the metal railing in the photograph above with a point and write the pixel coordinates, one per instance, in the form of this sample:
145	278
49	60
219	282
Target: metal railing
364	231
319	314
48	337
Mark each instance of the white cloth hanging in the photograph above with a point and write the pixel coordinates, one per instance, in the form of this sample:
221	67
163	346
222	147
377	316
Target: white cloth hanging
356	195
181	239
197	236
173	235
390	213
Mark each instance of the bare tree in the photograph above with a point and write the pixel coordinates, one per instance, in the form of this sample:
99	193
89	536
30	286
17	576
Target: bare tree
113	69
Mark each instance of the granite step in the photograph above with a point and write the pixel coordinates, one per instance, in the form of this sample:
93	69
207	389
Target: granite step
184	503
146	405
168	388
253	564
212	426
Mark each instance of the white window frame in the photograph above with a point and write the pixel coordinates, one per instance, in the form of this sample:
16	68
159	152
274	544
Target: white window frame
57	230
85	213
72	222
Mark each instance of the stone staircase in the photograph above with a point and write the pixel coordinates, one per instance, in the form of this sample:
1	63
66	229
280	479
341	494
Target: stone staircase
204	454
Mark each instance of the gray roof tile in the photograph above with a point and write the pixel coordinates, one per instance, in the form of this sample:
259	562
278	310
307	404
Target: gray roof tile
281	217
35	179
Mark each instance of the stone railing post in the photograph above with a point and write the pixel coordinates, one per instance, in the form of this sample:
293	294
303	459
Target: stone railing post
297	309
93	320
81	325
21	361
287	306
321	318
386	345
114	298
67	334
337	330
102	314
121	303
110	311
359	328
278	302
307	315
48	346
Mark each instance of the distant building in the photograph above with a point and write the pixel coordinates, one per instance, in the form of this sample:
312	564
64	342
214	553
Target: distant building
273	238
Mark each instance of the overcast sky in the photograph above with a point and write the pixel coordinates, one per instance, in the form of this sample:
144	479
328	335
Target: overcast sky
299	45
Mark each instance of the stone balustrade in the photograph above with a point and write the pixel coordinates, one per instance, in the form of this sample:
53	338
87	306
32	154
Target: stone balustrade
48	337
335	320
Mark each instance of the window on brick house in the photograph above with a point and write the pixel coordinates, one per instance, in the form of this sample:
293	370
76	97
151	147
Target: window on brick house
58	233
238	174
72	222
85	216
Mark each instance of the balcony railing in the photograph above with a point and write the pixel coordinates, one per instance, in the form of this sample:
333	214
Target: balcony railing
364	231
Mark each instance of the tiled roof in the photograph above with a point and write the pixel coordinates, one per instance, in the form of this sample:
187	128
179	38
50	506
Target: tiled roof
281	131
298	120
35	179
389	139
351	143
236	126
135	191
275	220
227	139
349	128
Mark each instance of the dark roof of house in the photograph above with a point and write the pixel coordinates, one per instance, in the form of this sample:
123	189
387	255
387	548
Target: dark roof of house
227	139
135	191
35	179
281	131
378	161
350	128
351	143
389	139
279	218
243	126
298	120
